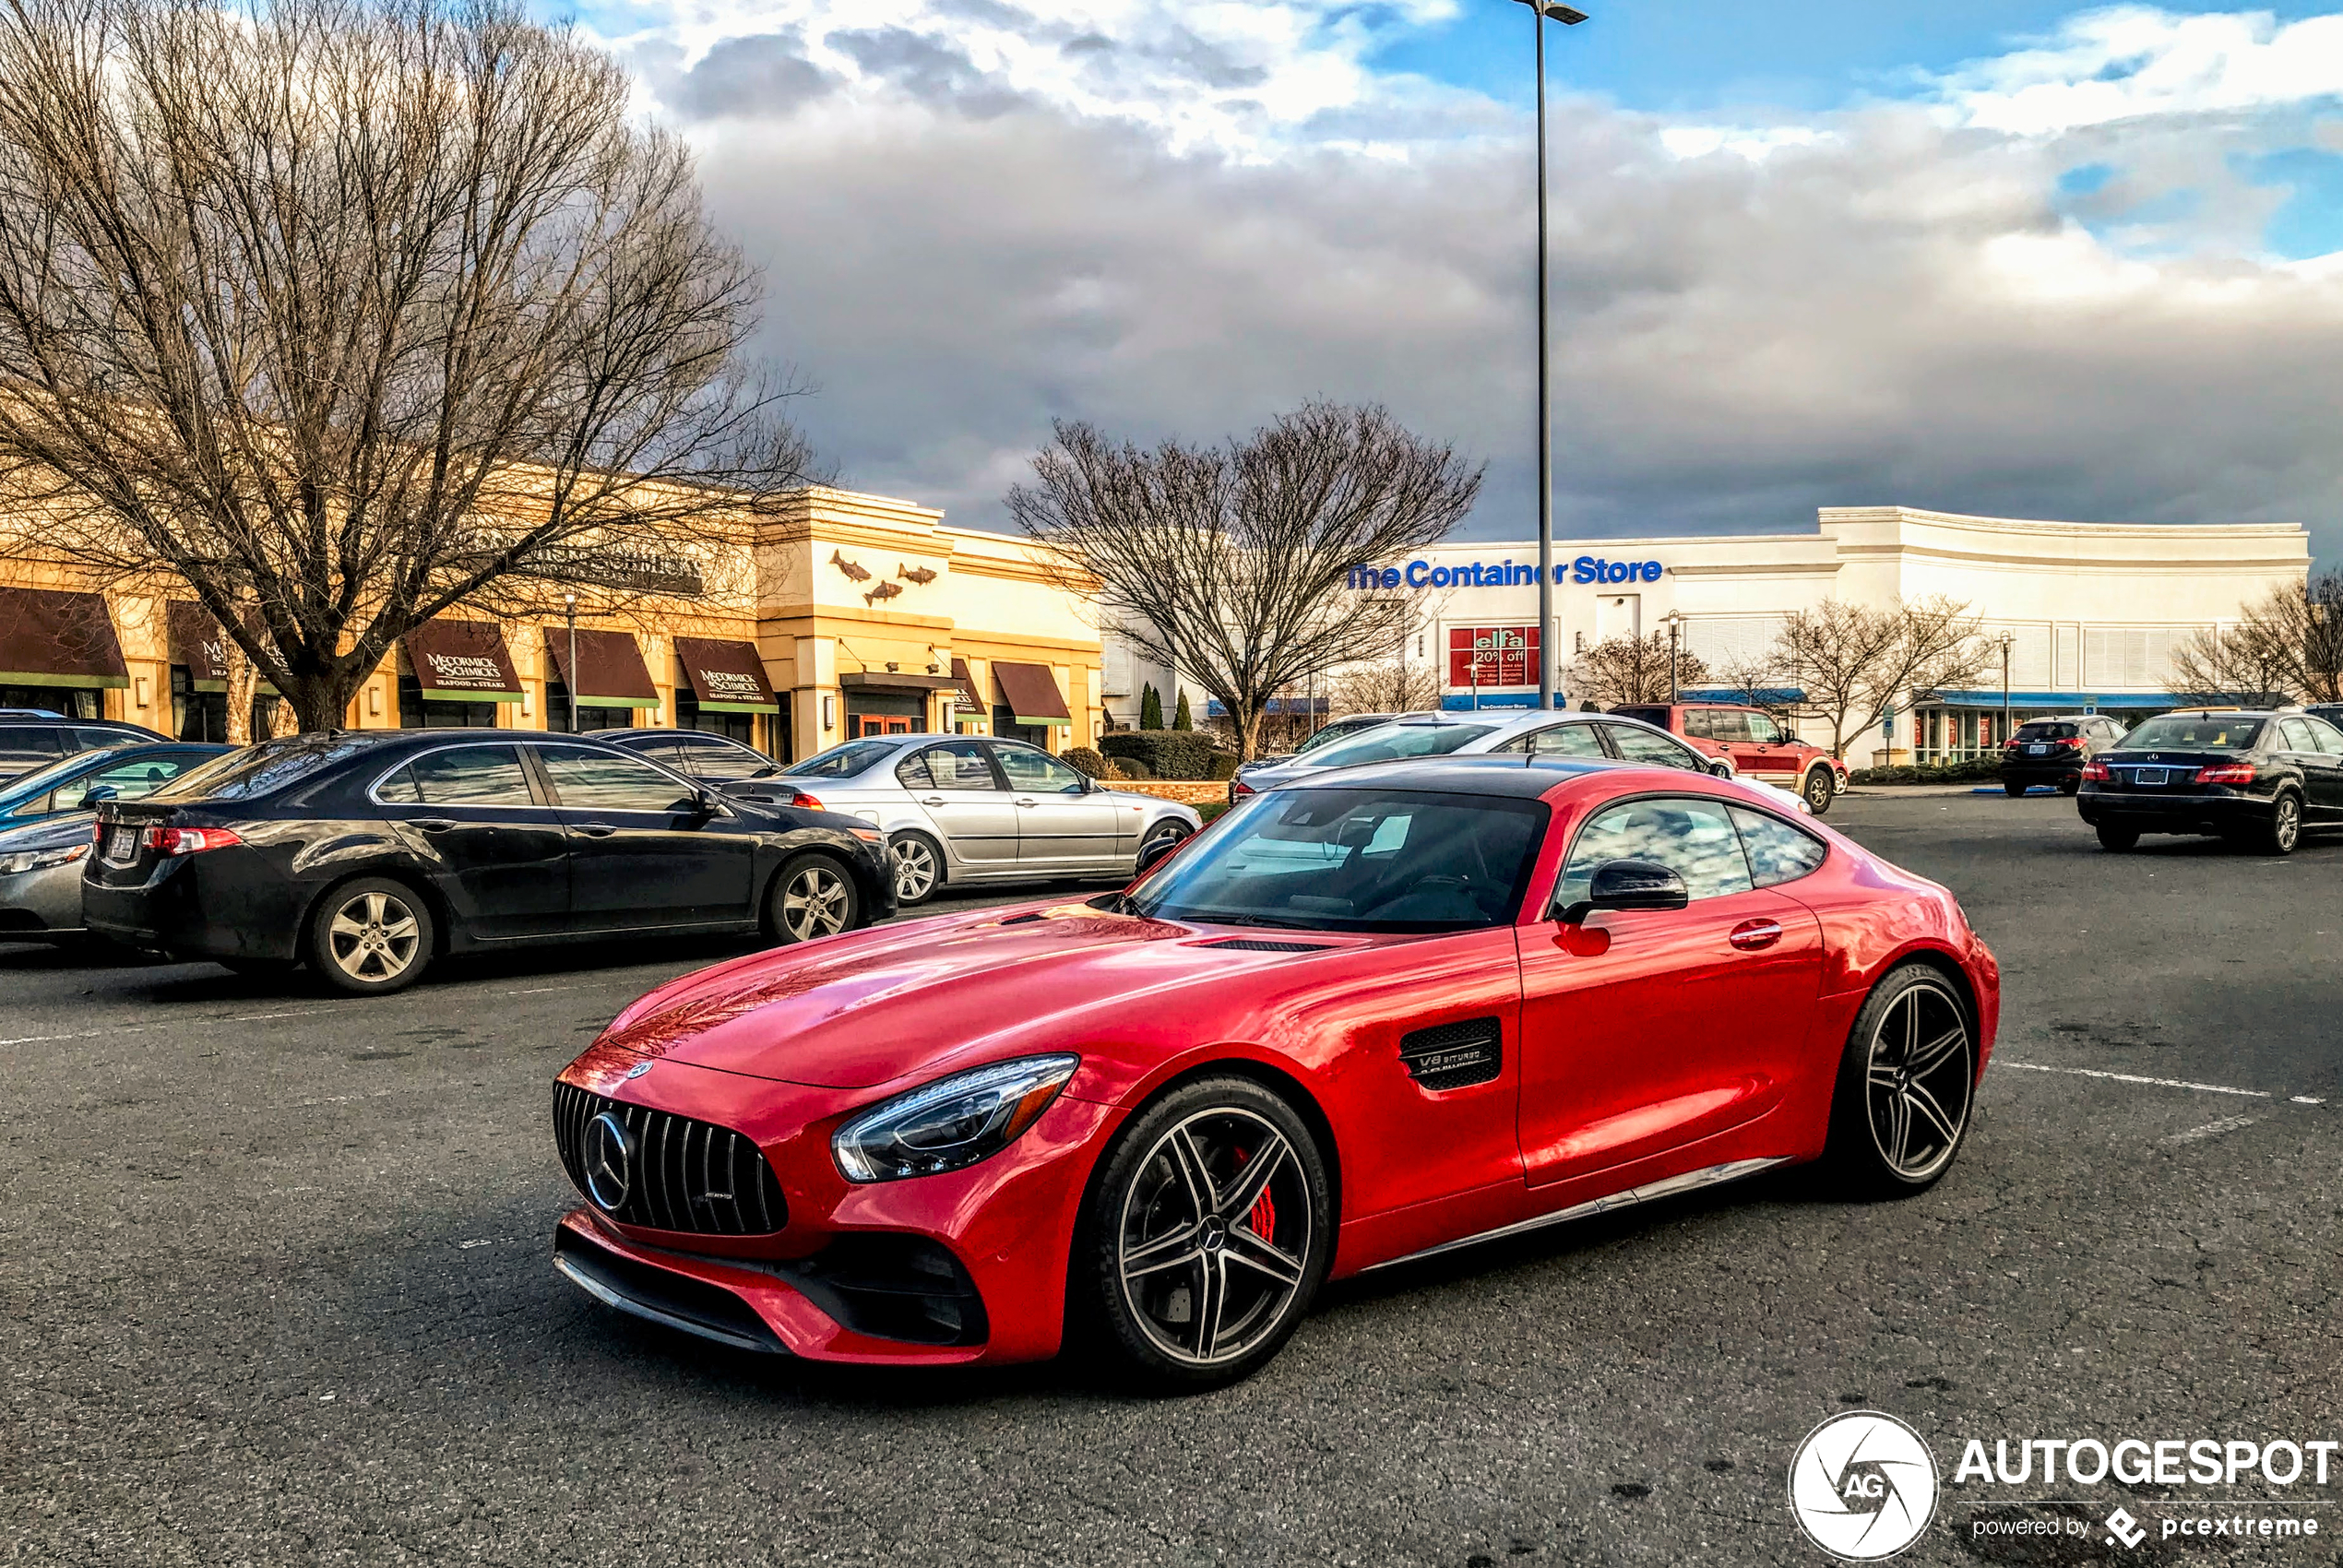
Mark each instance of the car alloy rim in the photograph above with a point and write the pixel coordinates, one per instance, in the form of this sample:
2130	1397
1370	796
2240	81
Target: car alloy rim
1918	1081
914	868
814	904
2289	822
1818	788
374	937
1213	1236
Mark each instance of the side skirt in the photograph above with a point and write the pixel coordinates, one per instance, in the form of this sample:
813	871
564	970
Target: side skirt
1691	1180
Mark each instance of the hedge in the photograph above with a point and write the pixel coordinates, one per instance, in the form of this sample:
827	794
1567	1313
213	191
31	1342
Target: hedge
1084	760
1974	771
1167	754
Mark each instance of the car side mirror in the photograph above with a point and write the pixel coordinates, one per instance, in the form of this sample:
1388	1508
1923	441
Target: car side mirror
1629	884
1155	854
96	792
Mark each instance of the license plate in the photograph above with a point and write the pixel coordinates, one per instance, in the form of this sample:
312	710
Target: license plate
2151	775
122	845
2035	751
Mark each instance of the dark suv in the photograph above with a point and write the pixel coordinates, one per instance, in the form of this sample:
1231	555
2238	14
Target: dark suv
30	743
2259	779
2052	751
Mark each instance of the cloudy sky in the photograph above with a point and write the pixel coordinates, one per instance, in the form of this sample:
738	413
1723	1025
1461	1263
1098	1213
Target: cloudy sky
2008	257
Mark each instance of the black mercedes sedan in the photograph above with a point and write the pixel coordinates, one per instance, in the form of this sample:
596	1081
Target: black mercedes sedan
2260	779
367	855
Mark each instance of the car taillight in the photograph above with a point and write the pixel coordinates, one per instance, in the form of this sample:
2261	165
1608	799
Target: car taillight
1239	790
807	802
2226	773
2076	744
187	840
2096	770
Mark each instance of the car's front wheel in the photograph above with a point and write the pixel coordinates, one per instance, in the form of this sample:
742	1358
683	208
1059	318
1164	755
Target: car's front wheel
371	937
813	895
2117	839
1205	1238
919	868
2012	788
1900	1110
1161	840
1819	790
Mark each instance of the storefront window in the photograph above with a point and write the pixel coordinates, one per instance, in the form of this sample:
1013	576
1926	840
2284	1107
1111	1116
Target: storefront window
73	702
415	713
885	713
590	716
197	716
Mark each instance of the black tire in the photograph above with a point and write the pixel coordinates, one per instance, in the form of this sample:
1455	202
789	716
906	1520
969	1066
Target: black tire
919	868
1174	831
2117	839
2012	788
813	894
1819	790
1252	1289
371	936
2070	784
2284	830
1907	1084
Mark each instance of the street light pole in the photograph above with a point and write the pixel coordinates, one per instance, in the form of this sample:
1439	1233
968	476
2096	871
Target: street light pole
569	608
1539	11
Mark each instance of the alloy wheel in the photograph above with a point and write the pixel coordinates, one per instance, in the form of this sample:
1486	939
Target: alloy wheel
915	869
1920	1072
814	903
374	937
2286	824
1213	1237
1818	791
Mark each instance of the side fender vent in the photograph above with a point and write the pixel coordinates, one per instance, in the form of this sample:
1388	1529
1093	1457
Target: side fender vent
1454	1056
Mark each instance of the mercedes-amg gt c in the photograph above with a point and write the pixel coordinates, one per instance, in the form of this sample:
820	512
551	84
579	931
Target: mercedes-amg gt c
1360	1019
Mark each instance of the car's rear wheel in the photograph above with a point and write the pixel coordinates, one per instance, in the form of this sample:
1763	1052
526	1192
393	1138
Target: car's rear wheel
2117	839
1901	1107
813	895
919	868
1819	789
2011	787
1205	1238
371	936
2284	830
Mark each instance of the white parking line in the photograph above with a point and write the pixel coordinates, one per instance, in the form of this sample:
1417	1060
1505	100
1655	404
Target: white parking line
2211	1129
2133	1078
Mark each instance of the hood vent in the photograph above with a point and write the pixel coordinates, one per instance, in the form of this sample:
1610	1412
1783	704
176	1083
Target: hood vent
1261	944
1022	920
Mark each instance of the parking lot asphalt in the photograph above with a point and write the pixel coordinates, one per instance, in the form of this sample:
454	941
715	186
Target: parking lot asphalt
277	1289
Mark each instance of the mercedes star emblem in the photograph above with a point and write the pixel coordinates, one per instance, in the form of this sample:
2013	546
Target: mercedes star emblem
610	1161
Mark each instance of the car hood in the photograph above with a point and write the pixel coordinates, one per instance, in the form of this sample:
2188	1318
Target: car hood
872	1007
48	832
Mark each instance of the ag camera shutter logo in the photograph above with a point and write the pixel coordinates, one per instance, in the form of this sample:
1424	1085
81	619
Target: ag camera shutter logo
1862	1486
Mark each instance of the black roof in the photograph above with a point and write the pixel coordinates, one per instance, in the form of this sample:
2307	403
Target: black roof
1522	777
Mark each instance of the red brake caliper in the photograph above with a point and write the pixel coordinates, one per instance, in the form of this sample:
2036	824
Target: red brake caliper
1262	1220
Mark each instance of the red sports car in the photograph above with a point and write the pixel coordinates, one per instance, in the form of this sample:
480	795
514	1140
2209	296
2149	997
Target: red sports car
1360	1020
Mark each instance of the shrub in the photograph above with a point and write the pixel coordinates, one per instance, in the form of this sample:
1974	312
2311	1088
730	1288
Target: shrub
1083	759
1130	768
1972	770
1183	720
1150	708
1168	754
1224	765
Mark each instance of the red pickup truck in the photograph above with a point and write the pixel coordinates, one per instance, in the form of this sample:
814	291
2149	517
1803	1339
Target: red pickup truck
1754	741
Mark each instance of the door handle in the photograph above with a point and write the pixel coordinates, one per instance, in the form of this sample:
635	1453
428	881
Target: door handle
594	829
433	824
1027	801
1753	936
931	800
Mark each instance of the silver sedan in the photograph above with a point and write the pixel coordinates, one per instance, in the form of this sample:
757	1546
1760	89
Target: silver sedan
962	809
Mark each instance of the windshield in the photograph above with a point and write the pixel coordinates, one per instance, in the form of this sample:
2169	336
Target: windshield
2195	733
1340	730
844	761
41	780
1354	859
260	770
1390	742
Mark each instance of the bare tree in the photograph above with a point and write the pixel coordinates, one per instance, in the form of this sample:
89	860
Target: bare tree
1233	564
1856	665
2289	645
347	312
1627	669
1392	685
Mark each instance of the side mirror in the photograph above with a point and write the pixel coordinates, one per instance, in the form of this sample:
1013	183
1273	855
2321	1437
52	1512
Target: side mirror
96	792
1155	854
1629	884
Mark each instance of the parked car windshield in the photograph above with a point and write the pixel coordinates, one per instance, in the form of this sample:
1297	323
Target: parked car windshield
1354	859
260	770
2195	732
1392	742
844	761
26	786
1340	730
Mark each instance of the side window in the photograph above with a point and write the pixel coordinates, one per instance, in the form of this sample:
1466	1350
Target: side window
1763	729
1778	852
1732	724
1568	740
464	776
34	742
960	765
96	740
1700	723
399	790
585	781
1658	751
2294	735
1694	838
1038	771
717	759
2329	738
131	779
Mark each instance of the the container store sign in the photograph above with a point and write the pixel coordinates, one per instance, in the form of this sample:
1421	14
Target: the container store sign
1492	656
1421	575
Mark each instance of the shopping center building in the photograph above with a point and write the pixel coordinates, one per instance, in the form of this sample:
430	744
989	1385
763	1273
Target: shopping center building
2091	611
847	615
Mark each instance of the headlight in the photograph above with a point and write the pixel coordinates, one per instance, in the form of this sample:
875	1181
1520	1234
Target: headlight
42	860
950	1123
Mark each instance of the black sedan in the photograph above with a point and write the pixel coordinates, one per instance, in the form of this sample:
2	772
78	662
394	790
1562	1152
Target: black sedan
2260	779
367	855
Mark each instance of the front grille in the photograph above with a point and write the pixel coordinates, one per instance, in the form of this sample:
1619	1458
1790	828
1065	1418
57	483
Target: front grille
687	1176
